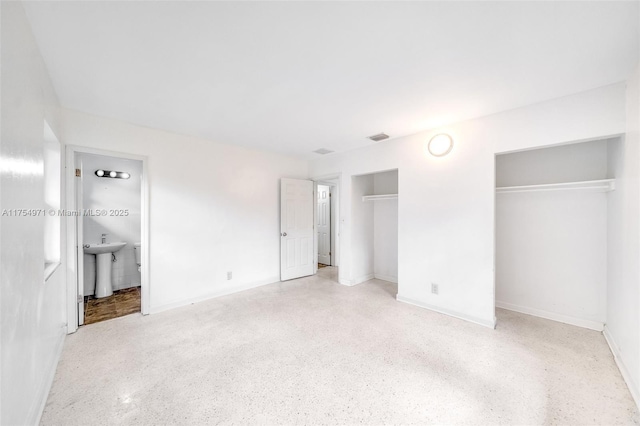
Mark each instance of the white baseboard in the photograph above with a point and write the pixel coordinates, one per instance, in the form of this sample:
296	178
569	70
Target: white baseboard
368	277
35	414
479	321
386	278
223	292
617	356
579	322
362	279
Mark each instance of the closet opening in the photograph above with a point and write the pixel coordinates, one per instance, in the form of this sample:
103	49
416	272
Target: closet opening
374	233
552	212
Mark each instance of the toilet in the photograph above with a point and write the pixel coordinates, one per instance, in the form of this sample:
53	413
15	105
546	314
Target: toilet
138	252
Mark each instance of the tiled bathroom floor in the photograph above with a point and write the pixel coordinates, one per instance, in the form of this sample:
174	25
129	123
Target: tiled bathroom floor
120	303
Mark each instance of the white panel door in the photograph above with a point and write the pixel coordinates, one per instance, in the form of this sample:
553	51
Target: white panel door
79	241
324	225
296	228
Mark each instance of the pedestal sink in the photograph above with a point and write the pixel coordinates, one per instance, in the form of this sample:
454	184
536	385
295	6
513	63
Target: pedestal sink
103	254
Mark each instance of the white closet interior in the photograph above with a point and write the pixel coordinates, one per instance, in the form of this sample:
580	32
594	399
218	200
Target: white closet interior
552	209
375	226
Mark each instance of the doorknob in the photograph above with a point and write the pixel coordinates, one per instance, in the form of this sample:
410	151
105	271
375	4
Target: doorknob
284	234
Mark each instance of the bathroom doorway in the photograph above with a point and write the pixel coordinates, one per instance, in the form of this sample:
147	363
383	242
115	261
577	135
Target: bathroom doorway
108	234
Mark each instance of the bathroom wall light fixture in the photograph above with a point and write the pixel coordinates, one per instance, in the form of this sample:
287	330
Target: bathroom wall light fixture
440	145
112	174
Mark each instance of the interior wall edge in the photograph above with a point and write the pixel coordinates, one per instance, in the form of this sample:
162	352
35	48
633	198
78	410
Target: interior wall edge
363	278
624	371
455	314
47	382
33	322
540	313
604	137
386	278
212	295
622	329
87	149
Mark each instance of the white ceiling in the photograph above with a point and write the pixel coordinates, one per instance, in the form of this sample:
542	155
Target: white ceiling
293	77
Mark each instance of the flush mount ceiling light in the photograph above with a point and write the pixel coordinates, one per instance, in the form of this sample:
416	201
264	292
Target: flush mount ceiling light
379	137
112	174
440	145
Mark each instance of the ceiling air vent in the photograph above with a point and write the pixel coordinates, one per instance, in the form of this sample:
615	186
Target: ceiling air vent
379	137
323	151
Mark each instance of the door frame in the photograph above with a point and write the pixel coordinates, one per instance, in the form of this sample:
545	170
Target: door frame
331	187
335	216
74	262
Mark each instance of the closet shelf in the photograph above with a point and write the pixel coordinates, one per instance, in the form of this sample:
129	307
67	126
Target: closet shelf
379	197
603	185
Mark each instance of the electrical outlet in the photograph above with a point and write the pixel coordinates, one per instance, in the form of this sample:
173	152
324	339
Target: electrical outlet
434	288
229	275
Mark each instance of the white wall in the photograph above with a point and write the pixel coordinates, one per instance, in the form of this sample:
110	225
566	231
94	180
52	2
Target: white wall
214	208
623	305
551	255
385	227
32	311
446	208
385	182
567	163
551	247
52	160
101	193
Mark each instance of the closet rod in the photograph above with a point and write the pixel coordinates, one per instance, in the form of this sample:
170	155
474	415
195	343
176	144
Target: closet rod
602	185
379	197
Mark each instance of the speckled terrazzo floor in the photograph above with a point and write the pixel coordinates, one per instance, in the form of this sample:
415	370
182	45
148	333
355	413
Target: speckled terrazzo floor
311	351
